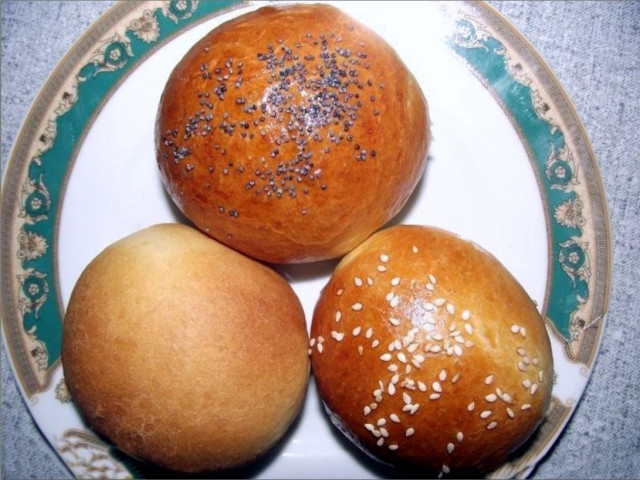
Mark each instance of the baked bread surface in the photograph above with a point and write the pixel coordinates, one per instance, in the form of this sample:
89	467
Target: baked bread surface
183	352
291	133
428	353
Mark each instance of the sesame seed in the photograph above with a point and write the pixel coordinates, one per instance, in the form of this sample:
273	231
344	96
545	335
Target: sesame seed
466	315
369	281
428	306
457	350
510	413
541	376
492	425
393	446
439	302
536	360
402	357
369	426
369	332
522	367
356	331
394	321
312	342
337	335
380	442
367	409
407	407
534	388
435	348
384	258
488	380
515	328
506	398
410	431
382	268
414	249
459	436
391	347
468	328
375	343
413	347
384	432
414	408
468	344
395	379
525	406
356	307
340	292
422	386
436	387
338	315
406	398
389	296
385	357
360	349
450	447
523	332
455	378
450	308
320	348
485	414
434	396
521	351
436	336
446	469
393	367
432	279
357	281
430	287
418	358
395	281
394	302
492	397
381	421
526	383
471	406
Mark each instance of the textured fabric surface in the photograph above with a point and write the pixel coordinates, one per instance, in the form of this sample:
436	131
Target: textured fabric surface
593	49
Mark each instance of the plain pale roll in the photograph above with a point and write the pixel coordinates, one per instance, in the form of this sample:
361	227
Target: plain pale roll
183	352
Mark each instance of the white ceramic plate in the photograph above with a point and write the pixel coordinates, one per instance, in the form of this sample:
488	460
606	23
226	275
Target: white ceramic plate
510	168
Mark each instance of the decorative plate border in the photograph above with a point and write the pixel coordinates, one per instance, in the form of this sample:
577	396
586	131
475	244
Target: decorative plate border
577	220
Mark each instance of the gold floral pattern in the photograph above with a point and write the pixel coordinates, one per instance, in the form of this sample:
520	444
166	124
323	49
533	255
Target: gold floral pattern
31	245
569	214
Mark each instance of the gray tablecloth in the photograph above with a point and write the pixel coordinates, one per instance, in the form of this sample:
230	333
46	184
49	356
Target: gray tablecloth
594	49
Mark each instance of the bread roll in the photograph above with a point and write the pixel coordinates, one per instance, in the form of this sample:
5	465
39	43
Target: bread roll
183	352
428	353
291	133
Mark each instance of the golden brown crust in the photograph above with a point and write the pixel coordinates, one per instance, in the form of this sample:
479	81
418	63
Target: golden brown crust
184	352
470	351
291	133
